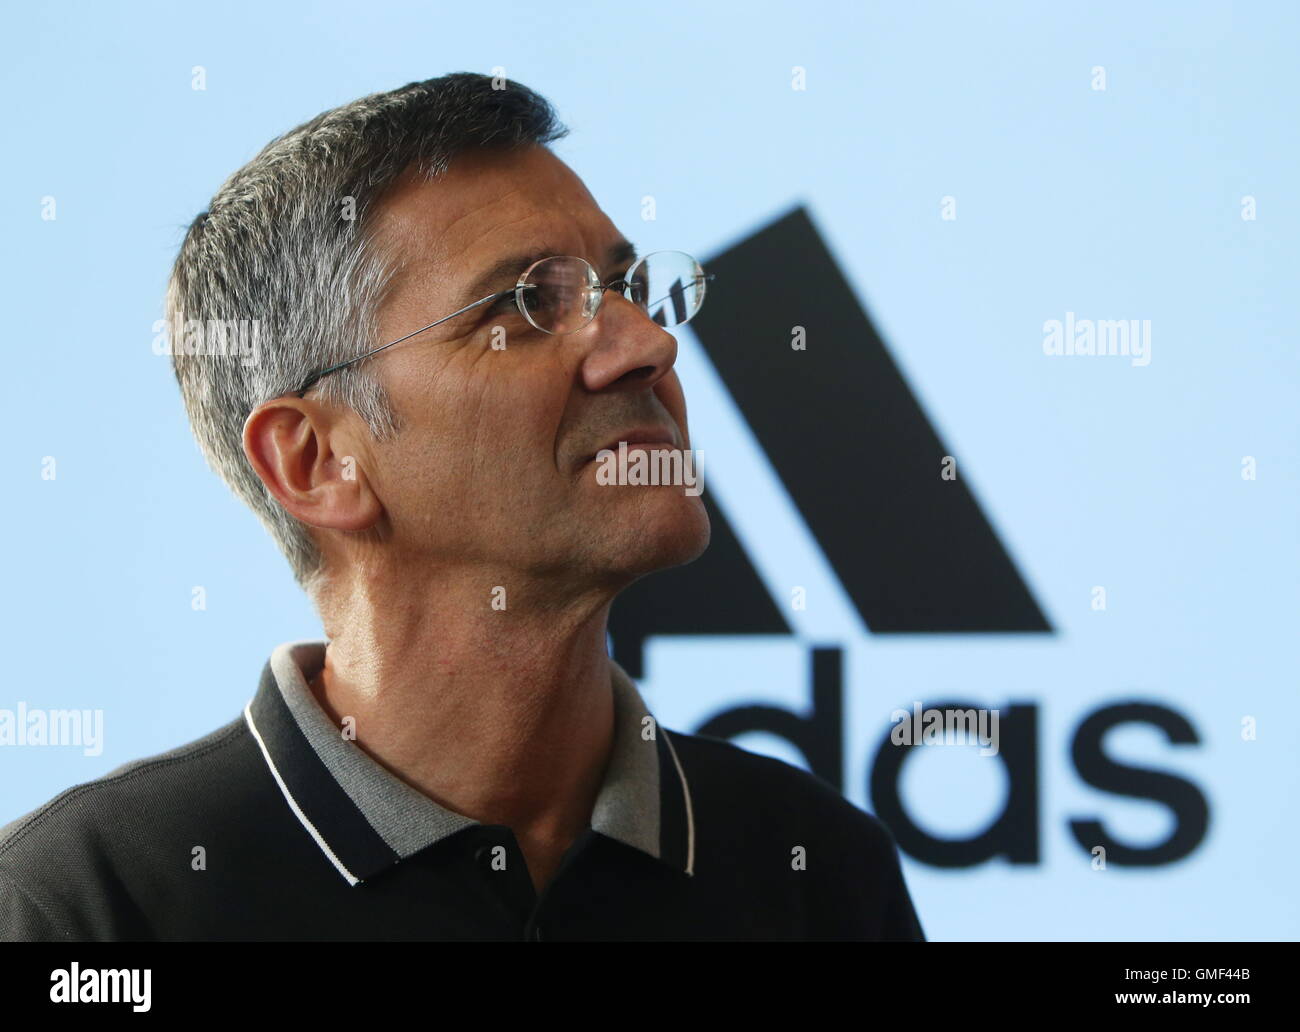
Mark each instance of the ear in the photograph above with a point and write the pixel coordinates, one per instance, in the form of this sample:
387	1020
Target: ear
307	461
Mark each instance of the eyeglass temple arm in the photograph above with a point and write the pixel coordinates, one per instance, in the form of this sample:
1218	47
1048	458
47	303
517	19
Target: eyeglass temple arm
312	380
315	377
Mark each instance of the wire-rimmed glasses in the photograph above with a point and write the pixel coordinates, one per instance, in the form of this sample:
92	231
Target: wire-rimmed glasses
563	293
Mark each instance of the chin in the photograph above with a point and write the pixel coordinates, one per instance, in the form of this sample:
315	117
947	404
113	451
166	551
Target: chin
660	532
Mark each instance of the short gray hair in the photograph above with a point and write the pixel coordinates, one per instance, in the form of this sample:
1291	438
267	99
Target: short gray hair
286	245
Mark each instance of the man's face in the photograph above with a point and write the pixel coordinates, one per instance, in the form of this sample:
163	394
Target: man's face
495	459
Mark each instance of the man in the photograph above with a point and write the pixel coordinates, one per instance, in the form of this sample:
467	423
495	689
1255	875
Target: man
454	342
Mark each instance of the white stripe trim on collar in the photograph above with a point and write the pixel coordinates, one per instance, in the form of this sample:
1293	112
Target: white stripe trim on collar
293	805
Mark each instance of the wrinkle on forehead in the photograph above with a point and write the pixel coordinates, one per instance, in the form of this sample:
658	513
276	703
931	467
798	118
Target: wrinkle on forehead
461	218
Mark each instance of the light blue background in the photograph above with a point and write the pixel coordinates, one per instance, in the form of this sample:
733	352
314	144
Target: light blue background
1122	204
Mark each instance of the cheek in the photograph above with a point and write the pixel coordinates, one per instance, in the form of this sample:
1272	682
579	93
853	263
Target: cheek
521	399
439	406
485	421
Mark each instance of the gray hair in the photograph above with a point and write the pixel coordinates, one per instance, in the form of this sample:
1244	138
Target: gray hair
286	248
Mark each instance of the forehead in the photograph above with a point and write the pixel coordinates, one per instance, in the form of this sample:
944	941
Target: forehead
486	205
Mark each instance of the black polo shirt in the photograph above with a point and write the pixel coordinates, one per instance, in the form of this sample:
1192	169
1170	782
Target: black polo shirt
279	827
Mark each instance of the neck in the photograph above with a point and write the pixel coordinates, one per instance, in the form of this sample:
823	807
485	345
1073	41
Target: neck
502	715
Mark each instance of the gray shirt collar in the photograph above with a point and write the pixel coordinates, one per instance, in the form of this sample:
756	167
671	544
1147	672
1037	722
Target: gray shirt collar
627	807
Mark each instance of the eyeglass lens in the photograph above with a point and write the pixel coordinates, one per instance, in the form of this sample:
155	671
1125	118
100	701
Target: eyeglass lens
562	294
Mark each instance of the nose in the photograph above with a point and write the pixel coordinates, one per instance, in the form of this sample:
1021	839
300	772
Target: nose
629	348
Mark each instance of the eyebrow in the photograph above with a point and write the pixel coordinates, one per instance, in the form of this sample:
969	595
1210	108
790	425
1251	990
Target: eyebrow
503	274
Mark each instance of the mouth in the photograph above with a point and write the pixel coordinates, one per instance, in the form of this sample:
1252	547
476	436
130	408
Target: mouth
640	438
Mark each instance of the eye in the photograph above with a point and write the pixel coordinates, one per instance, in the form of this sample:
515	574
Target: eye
503	308
504	311
635	290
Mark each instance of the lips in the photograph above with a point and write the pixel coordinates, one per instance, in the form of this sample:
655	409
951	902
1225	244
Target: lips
660	435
